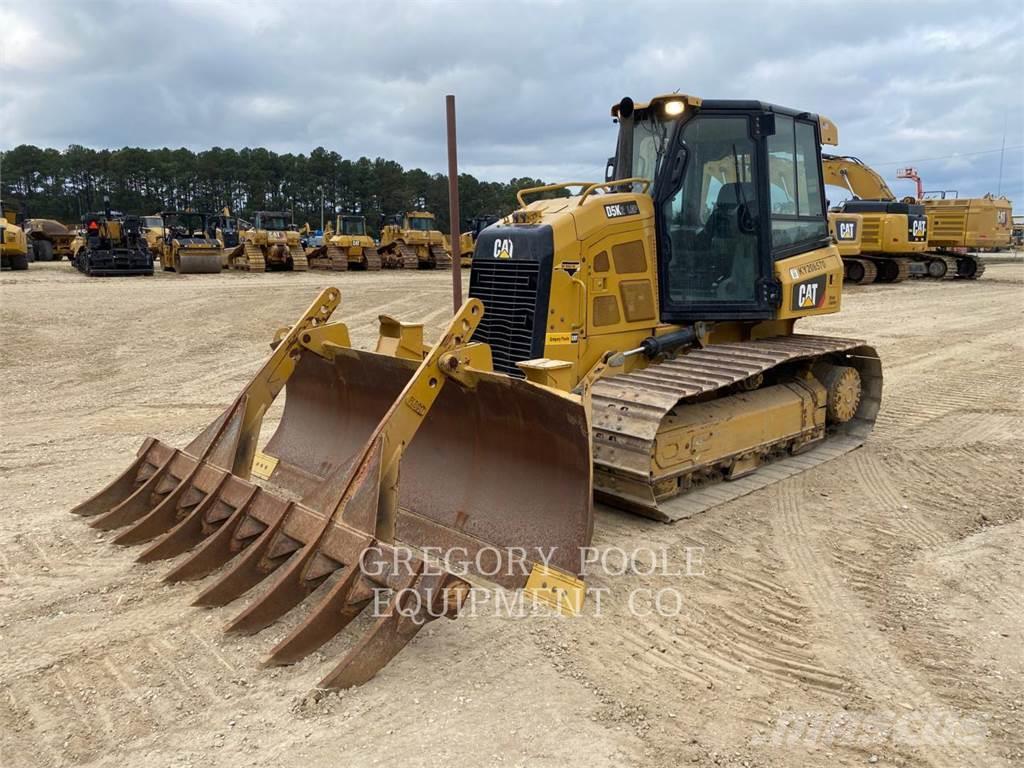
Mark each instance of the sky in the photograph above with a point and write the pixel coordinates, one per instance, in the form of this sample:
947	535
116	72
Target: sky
937	85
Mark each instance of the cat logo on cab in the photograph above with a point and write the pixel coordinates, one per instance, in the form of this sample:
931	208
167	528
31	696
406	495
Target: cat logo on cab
809	294
503	248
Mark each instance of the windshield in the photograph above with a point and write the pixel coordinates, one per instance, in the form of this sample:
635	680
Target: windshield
650	139
273	223
153	222
422	223
353	227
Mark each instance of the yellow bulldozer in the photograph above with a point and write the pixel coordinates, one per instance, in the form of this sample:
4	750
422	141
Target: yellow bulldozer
345	246
186	245
413	241
634	340
14	245
268	243
467	240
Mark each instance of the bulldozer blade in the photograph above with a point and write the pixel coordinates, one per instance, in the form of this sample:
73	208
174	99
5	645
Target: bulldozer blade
497	464
499	470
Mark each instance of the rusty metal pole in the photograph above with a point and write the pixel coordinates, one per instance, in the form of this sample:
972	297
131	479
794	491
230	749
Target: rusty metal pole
453	205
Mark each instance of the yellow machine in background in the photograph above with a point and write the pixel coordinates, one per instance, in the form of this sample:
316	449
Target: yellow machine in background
894	234
153	231
269	243
187	245
976	223
13	242
345	246
413	241
48	239
467	240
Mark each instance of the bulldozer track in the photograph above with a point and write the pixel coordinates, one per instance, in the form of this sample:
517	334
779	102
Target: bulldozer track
328	257
373	263
964	266
885	266
628	411
442	259
409	256
870	271
248	257
299	261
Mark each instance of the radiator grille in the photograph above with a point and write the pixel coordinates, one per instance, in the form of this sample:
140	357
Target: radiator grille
508	290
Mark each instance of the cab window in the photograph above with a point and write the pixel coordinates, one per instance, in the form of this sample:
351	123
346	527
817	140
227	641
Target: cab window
797	201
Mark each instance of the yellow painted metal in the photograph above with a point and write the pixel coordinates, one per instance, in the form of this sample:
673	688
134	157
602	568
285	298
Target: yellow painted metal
263	466
558	589
977	222
395	236
400	339
846	230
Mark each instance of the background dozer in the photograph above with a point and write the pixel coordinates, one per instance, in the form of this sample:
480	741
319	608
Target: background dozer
48	239
467	240
413	241
634	340
14	248
345	246
186	245
268	243
113	245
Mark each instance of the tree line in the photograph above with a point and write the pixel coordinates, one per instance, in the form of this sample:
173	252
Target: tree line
63	185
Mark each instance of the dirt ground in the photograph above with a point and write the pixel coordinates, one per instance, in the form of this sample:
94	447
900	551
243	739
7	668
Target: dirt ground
869	611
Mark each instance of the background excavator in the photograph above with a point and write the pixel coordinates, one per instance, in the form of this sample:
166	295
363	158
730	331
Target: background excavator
185	245
345	246
413	241
635	340
917	235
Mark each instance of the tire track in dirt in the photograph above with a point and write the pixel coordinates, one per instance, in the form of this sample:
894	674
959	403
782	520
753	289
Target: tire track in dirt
875	666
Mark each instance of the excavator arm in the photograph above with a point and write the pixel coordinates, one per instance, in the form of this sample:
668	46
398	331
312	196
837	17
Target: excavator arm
851	173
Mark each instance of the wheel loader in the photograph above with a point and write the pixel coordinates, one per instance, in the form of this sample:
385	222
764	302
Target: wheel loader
635	340
113	245
269	243
48	239
345	247
895	235
153	230
413	241
185	245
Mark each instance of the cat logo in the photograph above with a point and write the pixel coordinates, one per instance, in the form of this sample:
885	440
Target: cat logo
809	294
918	229
502	248
847	230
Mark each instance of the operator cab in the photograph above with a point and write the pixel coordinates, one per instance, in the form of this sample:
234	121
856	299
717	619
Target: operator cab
720	224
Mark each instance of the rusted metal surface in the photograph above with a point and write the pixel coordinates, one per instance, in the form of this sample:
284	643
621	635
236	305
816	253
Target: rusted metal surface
453	200
498	479
629	410
504	465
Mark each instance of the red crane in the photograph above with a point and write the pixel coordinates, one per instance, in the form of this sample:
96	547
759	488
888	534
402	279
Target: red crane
911	173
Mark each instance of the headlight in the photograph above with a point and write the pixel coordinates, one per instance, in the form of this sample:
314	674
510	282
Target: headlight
673	108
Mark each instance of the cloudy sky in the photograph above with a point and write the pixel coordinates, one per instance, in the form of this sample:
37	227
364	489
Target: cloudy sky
935	84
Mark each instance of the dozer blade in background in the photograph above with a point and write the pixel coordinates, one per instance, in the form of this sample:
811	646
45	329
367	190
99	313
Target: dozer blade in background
498	466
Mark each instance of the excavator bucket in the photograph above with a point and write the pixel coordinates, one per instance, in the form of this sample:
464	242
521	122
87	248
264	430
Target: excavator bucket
389	482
